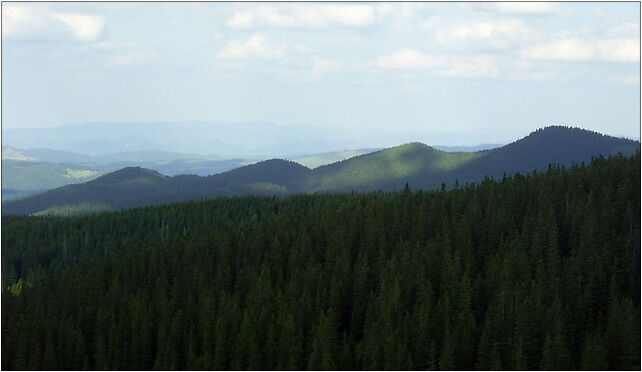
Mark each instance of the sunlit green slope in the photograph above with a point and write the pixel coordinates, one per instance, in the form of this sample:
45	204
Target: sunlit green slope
384	169
418	165
317	160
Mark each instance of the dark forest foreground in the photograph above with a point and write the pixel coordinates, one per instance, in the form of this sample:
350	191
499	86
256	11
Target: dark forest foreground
529	272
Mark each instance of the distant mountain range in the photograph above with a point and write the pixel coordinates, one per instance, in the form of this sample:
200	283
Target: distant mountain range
225	140
29	171
173	163
419	165
21	178
218	141
485	146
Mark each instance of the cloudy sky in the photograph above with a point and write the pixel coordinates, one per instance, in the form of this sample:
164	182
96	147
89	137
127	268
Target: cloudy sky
497	71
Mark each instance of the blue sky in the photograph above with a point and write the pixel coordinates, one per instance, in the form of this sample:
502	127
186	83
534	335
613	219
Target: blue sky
479	72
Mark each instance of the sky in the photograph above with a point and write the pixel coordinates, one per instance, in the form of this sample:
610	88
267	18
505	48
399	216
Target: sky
490	71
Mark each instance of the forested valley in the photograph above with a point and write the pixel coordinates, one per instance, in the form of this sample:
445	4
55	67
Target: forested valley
538	271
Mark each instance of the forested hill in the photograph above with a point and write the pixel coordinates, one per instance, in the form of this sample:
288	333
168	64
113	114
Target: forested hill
135	186
551	145
531	272
417	164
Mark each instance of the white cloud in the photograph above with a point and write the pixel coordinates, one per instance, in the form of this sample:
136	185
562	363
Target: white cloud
347	15
307	16
21	22
254	47
84	27
12	18
573	49
472	66
561	50
405	15
440	65
619	50
259	54
241	20
37	23
496	33
526	7
408	59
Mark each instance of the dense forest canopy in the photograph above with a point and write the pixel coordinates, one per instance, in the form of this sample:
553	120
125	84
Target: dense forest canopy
538	271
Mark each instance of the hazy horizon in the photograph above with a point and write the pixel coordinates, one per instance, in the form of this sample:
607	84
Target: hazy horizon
228	140
251	140
474	72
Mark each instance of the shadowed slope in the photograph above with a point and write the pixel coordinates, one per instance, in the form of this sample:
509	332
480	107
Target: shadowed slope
421	166
285	173
550	145
115	190
131	187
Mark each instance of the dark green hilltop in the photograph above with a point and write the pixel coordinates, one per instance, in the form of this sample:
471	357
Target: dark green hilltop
419	165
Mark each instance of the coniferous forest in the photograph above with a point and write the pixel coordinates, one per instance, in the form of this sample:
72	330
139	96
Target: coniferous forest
538	271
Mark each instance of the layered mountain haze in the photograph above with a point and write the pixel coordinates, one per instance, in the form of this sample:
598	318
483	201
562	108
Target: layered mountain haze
21	178
217	141
416	164
484	146
224	140
46	155
177	148
29	171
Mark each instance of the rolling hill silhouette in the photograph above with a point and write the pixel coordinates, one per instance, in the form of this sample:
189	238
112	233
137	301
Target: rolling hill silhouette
417	164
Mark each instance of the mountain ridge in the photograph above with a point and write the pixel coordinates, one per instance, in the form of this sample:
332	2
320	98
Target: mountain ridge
415	163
